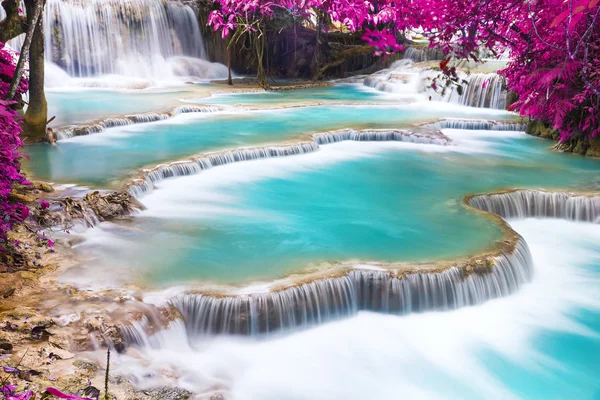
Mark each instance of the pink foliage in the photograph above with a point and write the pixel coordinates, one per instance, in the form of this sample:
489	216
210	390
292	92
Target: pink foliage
10	142
554	45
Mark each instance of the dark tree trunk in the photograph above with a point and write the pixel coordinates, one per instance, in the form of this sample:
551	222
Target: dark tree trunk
14	24
259	45
36	116
229	79
32	25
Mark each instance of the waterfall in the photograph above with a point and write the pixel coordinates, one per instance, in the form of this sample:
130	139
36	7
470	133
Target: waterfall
537	203
400	78
402	291
322	300
473	124
186	31
481	90
134	38
111	122
423	54
150	177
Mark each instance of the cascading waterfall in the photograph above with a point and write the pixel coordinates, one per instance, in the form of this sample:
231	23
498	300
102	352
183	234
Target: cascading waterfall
400	78
422	54
482	90
484	125
377	289
537	203
327	299
133	38
186	31
100	126
151	177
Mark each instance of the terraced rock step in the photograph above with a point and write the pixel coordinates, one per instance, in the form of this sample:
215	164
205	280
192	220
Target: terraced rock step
195	165
103	124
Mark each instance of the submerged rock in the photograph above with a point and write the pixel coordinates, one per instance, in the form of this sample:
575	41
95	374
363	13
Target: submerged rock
168	393
93	208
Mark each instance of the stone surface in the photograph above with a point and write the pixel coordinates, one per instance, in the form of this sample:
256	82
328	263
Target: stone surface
168	393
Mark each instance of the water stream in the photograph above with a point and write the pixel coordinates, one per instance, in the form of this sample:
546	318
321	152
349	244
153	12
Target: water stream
249	195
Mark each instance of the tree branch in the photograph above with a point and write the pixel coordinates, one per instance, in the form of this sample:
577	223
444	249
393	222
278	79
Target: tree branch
14	24
39	6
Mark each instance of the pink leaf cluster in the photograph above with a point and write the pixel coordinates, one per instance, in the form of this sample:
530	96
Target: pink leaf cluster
10	142
554	45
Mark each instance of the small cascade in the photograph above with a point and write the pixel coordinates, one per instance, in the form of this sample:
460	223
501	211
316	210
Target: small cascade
383	135
183	168
482	91
332	298
423	54
143	185
400	78
537	203
100	126
403	78
187	37
483	125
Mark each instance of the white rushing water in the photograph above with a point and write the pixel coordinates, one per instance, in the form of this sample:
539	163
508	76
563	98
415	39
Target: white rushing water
196	165
483	90
126	41
421	356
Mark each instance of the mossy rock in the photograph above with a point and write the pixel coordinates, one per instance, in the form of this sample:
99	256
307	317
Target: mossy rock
594	148
581	146
541	129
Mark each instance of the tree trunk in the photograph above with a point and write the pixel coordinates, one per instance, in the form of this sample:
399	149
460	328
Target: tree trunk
259	44
36	116
14	24
229	79
317	43
33	20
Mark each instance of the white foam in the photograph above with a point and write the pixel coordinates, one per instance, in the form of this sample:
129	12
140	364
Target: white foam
207	195
430	355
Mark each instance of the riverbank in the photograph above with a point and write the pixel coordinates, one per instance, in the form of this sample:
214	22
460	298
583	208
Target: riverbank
578	145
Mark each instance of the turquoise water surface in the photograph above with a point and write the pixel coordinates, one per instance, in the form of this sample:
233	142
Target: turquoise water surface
342	92
83	159
382	201
80	106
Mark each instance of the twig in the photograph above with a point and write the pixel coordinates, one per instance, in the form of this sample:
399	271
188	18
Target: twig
106	375
16	367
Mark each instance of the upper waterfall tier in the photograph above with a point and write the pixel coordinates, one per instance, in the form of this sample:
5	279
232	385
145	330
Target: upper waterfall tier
483	90
135	38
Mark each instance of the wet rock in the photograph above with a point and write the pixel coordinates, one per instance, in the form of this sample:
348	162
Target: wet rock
594	149
40	333
9	327
60	354
92	208
5	346
86	366
27	375
43	186
92	392
168	393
